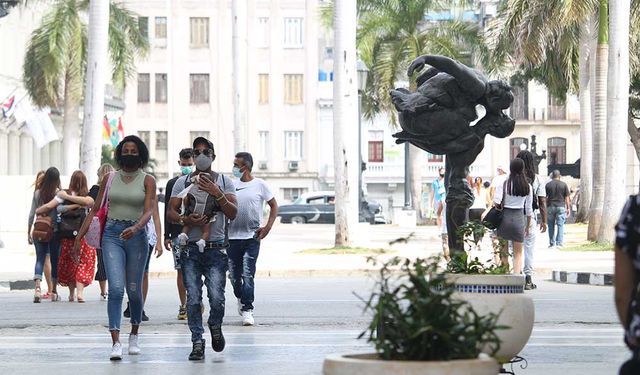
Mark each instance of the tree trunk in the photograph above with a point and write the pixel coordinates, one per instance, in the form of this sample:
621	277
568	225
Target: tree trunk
345	120
239	39
586	141
416	160
617	118
97	70
70	133
599	125
634	134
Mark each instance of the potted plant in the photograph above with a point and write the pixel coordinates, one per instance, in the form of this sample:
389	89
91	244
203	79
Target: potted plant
418	326
491	289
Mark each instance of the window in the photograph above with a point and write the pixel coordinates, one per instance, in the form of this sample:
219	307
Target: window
520	105
263	89
376	151
293	88
199	32
161	27
161	140
292	32
199	88
557	150
195	134
557	109
263	32
143	87
291	194
161	88
293	145
145	136
264	146
431	158
514	146
143	25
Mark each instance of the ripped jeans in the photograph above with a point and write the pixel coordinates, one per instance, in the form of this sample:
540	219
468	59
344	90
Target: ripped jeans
124	262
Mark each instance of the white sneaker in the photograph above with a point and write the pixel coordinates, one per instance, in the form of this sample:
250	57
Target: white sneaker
182	239
240	305
247	318
134	349
116	352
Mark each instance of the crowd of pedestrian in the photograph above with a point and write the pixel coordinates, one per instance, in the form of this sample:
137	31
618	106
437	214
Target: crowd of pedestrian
213	225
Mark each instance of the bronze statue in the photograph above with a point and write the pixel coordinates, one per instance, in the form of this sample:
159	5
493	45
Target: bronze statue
437	118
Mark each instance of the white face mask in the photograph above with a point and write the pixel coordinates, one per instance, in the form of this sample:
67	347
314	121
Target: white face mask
203	162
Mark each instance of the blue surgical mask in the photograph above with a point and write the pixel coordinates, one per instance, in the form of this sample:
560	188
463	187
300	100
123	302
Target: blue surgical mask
236	172
186	169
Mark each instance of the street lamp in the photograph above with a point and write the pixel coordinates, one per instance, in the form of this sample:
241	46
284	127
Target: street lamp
363	74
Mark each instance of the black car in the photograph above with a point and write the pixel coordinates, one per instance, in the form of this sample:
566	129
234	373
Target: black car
318	207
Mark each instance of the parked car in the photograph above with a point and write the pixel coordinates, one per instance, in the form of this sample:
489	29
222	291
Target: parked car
318	207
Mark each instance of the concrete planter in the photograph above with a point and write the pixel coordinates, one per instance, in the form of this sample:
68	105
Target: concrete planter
370	364
504	295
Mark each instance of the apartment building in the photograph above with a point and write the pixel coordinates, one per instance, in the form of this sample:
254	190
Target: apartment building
184	87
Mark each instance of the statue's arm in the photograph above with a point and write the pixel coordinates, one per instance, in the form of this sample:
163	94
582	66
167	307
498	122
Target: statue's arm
467	78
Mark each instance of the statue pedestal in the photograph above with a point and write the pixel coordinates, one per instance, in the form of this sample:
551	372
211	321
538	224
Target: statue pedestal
405	218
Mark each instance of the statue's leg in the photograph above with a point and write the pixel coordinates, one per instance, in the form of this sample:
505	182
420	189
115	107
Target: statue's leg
457	216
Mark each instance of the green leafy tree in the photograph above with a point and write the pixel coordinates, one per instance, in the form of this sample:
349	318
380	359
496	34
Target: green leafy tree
55	62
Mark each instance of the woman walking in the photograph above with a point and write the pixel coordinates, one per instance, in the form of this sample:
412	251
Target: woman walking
71	206
478	207
131	195
514	195
47	261
46	191
101	273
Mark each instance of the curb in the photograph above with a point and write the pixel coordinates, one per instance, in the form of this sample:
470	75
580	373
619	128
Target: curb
584	278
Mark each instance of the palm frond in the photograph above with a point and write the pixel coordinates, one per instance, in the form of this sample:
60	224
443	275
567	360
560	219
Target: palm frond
126	43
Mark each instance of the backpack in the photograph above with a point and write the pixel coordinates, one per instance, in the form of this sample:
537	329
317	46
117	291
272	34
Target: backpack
69	223
42	229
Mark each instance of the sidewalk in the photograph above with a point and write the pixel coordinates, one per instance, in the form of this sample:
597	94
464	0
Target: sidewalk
280	255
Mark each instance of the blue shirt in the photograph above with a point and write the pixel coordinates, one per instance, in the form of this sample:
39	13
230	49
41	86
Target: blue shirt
439	191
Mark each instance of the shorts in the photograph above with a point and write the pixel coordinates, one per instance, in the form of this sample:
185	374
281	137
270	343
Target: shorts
146	267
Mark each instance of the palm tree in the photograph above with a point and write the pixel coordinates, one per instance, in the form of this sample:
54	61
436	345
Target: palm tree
345	115
391	34
55	63
617	113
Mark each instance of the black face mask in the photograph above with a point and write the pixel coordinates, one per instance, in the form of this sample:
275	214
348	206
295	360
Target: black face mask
441	174
131	161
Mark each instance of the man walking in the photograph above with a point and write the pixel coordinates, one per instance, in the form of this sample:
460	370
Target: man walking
246	232
438	195
539	202
558	207
212	263
172	230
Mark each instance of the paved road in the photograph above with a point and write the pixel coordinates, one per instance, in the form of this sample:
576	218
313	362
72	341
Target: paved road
300	321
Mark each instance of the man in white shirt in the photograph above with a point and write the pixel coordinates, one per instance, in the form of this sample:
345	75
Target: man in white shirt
246	232
498	180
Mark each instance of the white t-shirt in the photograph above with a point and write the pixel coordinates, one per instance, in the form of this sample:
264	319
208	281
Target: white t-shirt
251	196
499	180
515	202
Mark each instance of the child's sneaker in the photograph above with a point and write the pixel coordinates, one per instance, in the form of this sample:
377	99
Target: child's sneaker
201	245
182	239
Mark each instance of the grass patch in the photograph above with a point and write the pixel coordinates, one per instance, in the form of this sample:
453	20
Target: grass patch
590	246
345	250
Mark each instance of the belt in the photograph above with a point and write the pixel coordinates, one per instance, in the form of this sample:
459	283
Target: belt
211	245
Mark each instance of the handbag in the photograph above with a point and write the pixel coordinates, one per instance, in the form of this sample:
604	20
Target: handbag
96	228
493	218
42	229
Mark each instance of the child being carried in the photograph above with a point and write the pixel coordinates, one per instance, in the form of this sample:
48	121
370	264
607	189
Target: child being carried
199	202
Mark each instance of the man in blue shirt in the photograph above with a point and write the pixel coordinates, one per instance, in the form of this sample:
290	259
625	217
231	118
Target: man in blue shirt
438	195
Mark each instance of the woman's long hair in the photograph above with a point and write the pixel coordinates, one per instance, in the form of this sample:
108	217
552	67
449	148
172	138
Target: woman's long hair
50	184
78	184
517	184
477	184
104	170
529	167
38	182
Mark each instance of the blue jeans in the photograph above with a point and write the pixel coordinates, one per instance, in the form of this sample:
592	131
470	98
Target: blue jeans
124	262
213	265
243	255
42	249
556	216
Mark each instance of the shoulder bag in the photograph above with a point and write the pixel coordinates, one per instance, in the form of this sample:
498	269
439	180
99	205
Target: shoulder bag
493	218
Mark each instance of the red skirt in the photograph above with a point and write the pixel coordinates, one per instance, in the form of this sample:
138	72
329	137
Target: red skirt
72	272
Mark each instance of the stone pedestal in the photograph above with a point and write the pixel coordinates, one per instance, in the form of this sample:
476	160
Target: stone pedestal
405	218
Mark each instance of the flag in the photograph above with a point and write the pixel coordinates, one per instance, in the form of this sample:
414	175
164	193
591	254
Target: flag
8	107
106	131
120	130
38	123
113	126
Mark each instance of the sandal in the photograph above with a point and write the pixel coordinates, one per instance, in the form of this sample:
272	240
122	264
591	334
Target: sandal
37	296
46	295
55	297
80	300
71	298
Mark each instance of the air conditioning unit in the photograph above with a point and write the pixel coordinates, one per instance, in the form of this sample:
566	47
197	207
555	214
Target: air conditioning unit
293	166
262	165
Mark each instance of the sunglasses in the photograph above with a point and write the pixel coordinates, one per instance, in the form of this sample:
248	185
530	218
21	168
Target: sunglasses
206	152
